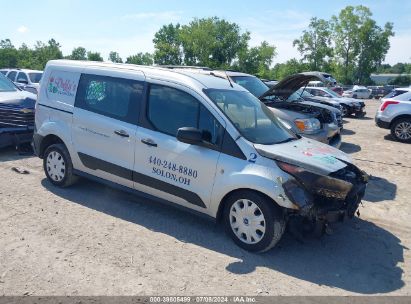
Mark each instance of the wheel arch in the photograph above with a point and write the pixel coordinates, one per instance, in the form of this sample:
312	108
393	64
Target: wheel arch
398	118
224	200
47	141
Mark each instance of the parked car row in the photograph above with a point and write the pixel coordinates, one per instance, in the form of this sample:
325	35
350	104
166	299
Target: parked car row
28	80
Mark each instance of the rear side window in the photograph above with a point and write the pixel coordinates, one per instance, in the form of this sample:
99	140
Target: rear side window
117	98
170	109
12	75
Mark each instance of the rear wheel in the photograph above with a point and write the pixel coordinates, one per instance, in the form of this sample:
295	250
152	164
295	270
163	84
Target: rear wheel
401	129
58	166
253	221
354	96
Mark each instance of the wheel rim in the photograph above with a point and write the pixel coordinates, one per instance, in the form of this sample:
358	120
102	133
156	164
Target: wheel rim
344	111
247	221
403	130
56	166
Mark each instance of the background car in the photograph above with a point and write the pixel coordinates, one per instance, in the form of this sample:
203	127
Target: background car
270	83
16	114
395	114
338	90
394	93
349	106
359	92
28	80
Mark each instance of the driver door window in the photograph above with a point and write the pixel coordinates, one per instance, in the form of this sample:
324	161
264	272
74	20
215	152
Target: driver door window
170	109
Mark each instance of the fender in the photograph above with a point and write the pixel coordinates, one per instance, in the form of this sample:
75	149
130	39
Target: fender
256	177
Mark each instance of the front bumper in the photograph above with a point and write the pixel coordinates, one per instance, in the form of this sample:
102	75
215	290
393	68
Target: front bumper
358	110
321	198
330	135
15	136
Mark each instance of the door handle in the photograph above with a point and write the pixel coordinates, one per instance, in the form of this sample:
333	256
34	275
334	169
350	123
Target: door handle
121	133
149	142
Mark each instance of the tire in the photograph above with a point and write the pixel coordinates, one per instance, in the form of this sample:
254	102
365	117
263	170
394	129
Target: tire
58	166
354	96
401	129
258	231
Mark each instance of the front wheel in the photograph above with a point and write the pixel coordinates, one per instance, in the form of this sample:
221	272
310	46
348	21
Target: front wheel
253	221
58	166
401	130
344	111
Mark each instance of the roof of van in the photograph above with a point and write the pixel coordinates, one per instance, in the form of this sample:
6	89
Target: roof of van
187	77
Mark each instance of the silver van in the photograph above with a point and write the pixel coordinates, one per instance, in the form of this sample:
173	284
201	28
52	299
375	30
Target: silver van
198	142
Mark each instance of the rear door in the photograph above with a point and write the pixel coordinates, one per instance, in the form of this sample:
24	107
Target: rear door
170	169
105	123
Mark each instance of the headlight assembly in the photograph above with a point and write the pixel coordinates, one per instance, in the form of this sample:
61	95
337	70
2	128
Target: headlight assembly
318	184
308	126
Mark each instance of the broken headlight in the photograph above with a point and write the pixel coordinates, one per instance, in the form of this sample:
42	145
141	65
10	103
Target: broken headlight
318	184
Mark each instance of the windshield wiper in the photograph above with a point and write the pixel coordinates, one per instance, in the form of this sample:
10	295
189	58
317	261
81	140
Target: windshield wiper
287	140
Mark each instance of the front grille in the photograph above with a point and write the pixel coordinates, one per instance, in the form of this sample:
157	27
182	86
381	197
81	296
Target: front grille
14	116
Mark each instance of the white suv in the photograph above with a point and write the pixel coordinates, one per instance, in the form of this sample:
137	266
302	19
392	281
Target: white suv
28	80
197	141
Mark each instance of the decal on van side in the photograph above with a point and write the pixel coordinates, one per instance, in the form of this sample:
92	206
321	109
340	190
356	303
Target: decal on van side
62	85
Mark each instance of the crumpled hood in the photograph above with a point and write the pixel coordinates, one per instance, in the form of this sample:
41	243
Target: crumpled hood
292	83
306	153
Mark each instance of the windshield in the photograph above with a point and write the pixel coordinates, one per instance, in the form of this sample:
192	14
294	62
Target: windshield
252	118
6	85
394	93
331	92
35	77
253	84
299	94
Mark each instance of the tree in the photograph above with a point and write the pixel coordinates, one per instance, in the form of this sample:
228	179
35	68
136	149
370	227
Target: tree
27	58
94	56
402	80
256	60
374	45
360	45
45	52
8	54
115	57
167	45
140	59
292	66
212	42
78	53
315	44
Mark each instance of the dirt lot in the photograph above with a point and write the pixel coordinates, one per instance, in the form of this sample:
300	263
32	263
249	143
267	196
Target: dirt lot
93	240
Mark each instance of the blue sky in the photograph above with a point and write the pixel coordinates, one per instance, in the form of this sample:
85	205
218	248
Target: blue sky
128	26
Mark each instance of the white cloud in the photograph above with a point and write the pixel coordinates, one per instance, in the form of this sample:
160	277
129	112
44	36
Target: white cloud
22	29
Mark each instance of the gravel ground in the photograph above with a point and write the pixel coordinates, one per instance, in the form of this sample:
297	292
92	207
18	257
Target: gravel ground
93	240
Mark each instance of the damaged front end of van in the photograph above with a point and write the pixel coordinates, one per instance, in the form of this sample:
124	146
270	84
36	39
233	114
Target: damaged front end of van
324	186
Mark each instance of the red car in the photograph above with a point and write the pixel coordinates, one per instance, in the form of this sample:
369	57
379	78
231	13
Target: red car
338	90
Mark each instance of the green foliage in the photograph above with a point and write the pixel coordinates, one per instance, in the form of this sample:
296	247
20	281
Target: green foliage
78	53
141	59
167	45
402	80
315	45
256	60
94	56
115	57
360	44
212	42
292	66
8	54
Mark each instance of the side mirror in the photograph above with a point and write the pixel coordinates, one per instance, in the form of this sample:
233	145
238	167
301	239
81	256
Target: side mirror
190	135
23	81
